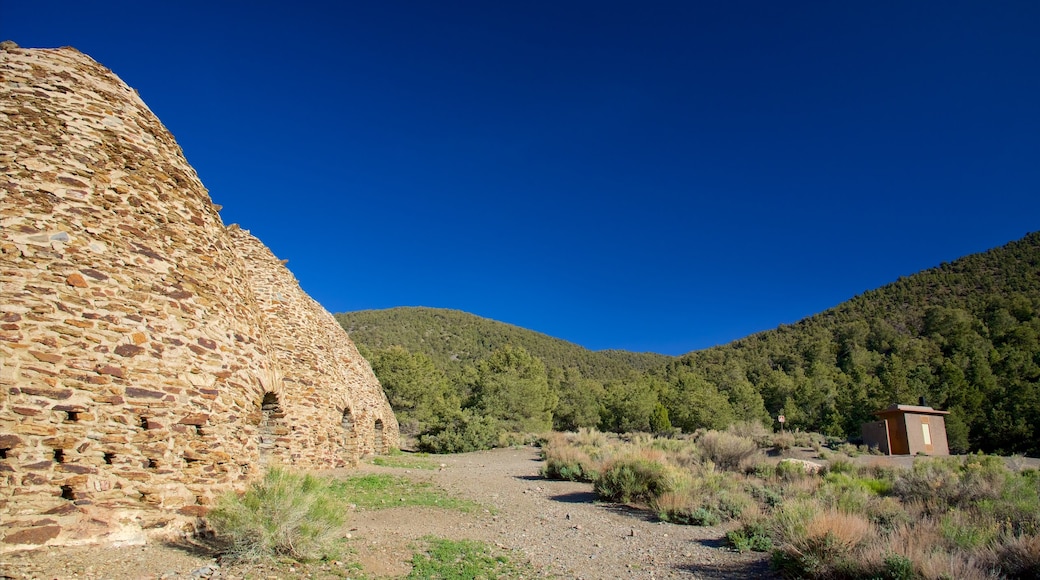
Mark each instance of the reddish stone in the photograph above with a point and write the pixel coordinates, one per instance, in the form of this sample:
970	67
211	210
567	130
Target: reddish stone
111	370
197	349
37	535
11	317
128	350
94	274
79	323
207	343
197	511
143	393
65	508
9	441
74	468
59	394
195	419
27	411
76	280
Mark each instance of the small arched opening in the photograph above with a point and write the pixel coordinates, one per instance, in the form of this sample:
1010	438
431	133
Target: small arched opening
378	441
272	429
349	436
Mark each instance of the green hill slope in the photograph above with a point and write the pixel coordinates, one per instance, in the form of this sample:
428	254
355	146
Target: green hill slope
965	336
452	336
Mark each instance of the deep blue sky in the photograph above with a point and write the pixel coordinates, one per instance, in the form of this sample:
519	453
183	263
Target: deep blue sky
651	176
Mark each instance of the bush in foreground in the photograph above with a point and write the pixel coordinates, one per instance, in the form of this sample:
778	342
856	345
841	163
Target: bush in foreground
282	515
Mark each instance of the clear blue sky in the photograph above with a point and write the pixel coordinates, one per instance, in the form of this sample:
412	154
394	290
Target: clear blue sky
651	176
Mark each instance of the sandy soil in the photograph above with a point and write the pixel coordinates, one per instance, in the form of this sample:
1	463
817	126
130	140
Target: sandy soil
556	526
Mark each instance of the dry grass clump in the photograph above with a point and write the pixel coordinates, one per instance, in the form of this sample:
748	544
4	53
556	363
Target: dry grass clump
728	451
639	477
708	499
1018	557
282	515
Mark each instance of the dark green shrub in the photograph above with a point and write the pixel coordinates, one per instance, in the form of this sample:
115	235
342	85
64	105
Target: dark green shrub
635	479
752	536
467	432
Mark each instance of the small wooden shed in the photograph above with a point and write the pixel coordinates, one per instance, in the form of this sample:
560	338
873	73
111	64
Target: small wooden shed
908	430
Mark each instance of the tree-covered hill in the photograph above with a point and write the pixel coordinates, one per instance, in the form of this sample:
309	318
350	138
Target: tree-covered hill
450	337
965	336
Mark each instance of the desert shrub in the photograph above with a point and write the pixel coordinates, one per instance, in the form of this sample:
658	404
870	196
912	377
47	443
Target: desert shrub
569	463
943	482
707	499
466	432
966	531
282	515
824	546
790	470
1019	557
753	430
752	536
637	479
887	513
727	451
841	463
782	441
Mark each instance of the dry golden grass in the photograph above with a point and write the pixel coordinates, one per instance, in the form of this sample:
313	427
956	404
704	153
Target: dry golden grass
846	530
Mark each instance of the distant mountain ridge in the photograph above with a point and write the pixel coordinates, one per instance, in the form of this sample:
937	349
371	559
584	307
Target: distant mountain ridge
450	336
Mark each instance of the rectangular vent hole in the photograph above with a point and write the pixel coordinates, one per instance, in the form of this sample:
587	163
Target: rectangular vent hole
152	464
72	416
67	493
109	457
59	456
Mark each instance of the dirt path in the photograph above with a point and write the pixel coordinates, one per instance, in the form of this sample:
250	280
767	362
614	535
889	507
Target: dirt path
555	525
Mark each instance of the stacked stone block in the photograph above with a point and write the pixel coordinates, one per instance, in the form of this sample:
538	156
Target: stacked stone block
139	337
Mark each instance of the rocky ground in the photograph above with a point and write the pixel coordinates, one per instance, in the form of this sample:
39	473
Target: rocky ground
556	526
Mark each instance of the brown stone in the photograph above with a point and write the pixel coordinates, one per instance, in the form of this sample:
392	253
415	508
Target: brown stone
128	350
195	419
76	280
139	338
94	274
139	393
196	511
33	536
59	394
111	370
207	343
45	357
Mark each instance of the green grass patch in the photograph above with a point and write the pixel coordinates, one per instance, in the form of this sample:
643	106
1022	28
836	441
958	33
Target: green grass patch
419	461
444	559
380	491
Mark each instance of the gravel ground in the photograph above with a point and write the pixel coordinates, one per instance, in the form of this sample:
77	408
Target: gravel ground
556	526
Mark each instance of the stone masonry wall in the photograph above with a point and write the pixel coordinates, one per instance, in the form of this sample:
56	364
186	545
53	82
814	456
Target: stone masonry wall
326	383
147	364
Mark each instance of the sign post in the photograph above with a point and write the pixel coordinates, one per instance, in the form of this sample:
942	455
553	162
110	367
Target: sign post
782	420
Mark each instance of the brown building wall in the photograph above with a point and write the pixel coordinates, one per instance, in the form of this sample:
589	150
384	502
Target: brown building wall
926	434
138	336
875	434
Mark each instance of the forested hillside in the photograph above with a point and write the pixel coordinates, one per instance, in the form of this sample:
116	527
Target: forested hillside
965	336
450	337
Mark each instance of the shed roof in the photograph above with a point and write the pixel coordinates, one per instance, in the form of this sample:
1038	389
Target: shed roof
915	409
